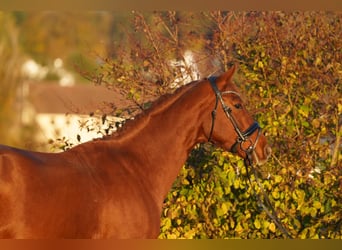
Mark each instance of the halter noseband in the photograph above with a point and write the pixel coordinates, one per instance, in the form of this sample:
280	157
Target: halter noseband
243	136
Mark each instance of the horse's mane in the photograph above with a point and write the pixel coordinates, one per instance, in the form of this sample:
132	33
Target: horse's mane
157	105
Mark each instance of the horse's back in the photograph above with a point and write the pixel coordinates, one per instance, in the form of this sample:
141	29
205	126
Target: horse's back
39	193
11	192
67	195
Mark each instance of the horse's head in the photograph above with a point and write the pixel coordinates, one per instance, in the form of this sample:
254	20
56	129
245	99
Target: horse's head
231	126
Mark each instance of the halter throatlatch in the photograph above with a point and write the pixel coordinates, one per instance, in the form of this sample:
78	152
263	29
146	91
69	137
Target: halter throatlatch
243	140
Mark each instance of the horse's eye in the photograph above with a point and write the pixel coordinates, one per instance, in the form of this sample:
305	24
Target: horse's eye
238	106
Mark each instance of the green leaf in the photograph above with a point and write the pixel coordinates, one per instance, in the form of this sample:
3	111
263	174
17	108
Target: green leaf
304	110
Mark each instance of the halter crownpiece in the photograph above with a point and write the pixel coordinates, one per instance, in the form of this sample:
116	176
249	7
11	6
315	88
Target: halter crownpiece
243	136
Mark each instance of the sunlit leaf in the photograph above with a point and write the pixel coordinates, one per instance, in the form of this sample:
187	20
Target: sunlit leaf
257	224
272	227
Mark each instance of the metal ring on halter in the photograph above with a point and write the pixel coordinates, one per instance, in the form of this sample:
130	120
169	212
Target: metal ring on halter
250	146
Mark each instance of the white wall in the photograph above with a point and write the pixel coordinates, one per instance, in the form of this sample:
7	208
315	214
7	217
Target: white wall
59	126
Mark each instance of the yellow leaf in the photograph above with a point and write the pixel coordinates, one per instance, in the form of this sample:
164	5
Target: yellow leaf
171	236
232	224
146	63
257	224
272	227
224	208
292	75
316	123
339	107
166	224
260	65
313	212
317	204
236	184
238	228
318	61
275	194
185	182
278	179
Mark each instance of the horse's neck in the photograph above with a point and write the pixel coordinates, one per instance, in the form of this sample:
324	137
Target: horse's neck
164	139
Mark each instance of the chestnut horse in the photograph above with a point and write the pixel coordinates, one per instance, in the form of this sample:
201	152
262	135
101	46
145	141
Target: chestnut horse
115	187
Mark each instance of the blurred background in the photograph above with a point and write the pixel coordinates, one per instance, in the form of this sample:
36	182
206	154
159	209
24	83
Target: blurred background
39	55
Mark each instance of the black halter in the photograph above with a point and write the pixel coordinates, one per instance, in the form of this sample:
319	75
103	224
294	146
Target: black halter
243	139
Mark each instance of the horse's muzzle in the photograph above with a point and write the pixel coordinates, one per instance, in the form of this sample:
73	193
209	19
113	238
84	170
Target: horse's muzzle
267	152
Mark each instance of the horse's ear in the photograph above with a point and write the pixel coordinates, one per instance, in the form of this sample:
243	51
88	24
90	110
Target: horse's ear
225	77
